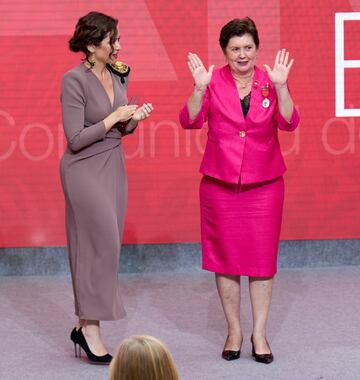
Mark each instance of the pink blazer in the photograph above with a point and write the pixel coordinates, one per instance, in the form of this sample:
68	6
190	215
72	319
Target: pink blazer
239	149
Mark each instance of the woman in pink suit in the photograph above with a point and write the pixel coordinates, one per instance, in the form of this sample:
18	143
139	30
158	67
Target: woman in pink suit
242	190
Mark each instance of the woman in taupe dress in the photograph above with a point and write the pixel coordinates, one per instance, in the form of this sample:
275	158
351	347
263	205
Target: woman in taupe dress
96	115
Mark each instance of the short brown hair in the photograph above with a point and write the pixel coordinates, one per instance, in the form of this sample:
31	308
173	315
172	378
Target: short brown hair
143	358
238	27
91	29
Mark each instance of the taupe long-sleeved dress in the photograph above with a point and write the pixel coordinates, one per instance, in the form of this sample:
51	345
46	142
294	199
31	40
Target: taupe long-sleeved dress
95	187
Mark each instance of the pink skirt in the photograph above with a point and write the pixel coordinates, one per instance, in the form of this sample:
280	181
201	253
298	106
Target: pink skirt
240	226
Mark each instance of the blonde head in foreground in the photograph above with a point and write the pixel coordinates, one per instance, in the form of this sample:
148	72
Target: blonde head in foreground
143	358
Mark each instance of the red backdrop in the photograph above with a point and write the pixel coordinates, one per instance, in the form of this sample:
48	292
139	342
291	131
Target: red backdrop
322	156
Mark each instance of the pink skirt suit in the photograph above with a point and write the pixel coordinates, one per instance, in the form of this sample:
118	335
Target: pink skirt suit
242	189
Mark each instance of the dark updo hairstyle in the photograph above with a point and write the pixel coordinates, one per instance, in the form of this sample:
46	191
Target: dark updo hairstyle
91	29
238	27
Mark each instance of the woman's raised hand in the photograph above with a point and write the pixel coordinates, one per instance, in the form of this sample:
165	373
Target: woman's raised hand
280	72
143	112
125	113
202	77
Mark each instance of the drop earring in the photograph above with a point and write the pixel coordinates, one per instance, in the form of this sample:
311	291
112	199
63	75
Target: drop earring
90	60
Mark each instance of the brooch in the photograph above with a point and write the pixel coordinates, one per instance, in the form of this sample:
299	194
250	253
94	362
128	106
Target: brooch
120	69
265	93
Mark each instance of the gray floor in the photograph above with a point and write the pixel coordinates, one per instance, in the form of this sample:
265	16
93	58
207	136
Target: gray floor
313	329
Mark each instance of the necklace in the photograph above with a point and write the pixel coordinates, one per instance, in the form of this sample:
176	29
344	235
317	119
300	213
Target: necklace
244	84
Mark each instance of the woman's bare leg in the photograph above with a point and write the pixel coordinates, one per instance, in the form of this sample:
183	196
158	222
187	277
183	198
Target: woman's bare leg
91	330
80	323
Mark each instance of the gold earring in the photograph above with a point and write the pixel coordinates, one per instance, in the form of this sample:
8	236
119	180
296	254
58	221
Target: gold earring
91	61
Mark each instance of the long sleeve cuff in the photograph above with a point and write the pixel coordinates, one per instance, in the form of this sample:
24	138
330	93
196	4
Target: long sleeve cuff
188	123
283	124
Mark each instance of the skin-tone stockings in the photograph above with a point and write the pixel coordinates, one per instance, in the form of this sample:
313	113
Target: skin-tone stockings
260	296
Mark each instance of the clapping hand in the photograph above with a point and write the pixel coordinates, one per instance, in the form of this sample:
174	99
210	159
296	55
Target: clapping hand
124	113
143	112
202	77
280	72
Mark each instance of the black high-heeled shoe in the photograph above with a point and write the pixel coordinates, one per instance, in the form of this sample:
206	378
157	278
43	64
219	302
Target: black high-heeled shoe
78	338
230	354
261	358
